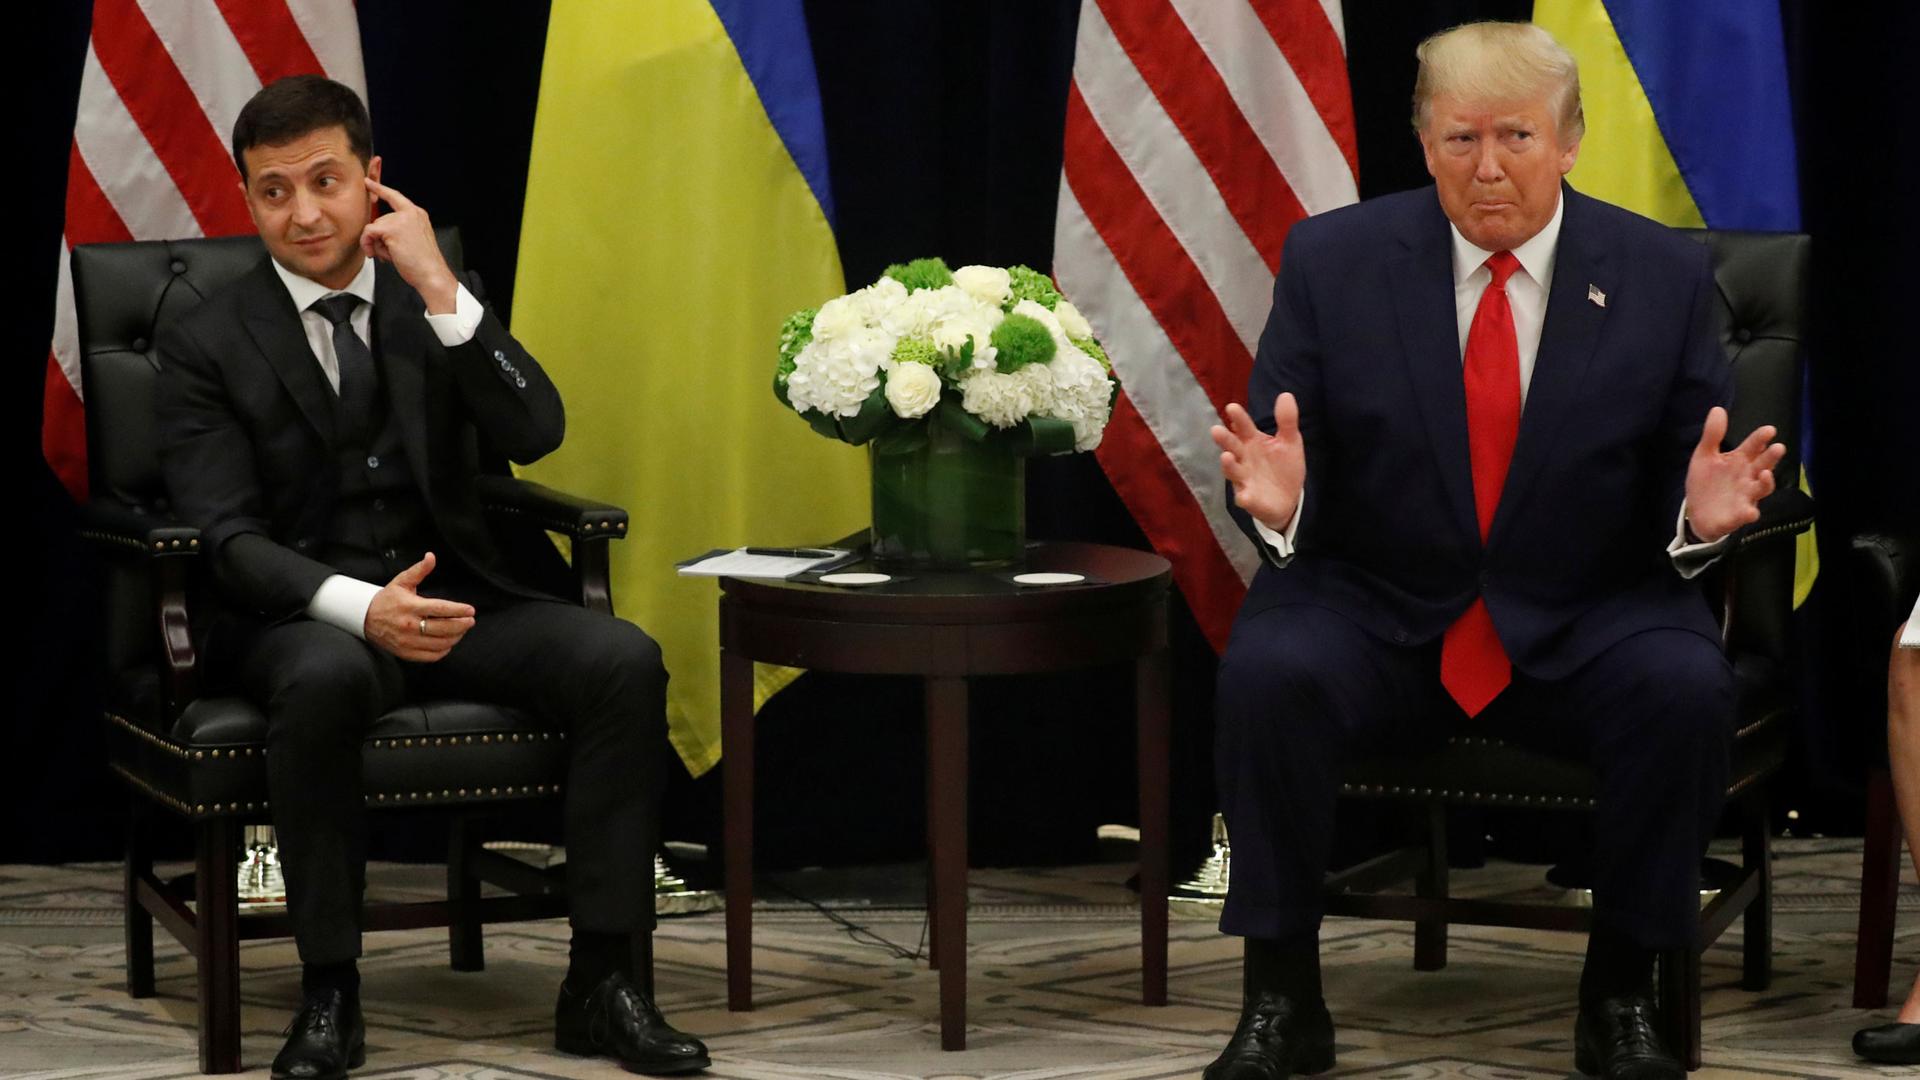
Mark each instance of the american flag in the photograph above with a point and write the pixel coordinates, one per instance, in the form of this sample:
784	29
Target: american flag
163	82
1198	132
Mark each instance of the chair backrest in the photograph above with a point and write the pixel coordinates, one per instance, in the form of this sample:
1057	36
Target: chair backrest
122	295
1761	281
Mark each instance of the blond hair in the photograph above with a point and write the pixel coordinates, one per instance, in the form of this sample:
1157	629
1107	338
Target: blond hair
1490	62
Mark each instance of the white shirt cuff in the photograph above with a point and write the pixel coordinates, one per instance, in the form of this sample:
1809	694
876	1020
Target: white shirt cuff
458	327
1282	542
342	602
1688	558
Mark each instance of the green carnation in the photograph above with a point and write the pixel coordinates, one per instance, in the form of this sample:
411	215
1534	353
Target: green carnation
916	351
921	274
1020	340
1092	348
1031	284
795	333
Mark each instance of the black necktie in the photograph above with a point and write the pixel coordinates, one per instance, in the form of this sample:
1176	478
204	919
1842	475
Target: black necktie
358	379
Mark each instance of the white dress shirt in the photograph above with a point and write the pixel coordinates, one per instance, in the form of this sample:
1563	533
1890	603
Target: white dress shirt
342	601
1527	291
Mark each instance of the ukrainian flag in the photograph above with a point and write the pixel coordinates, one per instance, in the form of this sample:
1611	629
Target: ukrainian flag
1688	121
677	211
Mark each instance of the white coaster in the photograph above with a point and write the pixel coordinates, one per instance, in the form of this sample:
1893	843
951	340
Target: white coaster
855	579
1048	579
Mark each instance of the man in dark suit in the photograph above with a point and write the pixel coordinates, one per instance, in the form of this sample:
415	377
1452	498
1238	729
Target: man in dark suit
322	421
1483	462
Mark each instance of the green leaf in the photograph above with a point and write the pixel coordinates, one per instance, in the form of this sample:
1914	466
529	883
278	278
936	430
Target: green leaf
958	420
874	416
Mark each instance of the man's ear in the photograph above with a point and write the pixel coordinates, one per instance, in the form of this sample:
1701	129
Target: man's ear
373	174
1568	155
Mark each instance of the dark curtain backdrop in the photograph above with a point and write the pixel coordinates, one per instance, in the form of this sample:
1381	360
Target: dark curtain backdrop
943	122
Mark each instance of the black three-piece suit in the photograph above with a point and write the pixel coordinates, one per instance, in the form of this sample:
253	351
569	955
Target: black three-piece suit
287	491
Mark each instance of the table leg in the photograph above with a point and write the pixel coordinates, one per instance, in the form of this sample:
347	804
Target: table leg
1155	743
736	764
947	784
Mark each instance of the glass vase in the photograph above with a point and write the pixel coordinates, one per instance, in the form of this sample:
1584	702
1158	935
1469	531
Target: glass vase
948	504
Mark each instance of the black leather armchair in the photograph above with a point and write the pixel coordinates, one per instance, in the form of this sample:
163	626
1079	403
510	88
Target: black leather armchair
1761	279
202	760
1885	576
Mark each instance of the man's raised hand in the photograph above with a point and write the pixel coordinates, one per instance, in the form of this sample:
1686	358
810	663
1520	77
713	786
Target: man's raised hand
1724	490
1267	471
404	237
414	627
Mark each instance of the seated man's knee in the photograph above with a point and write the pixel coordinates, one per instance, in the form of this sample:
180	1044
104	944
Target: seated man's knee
1277	667
1686	685
622	659
326	680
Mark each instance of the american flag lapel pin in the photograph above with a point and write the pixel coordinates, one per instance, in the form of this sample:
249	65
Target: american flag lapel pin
1594	294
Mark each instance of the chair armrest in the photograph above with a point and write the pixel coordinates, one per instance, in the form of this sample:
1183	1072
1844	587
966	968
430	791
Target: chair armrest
558	511
170	549
1887	569
1784	515
122	531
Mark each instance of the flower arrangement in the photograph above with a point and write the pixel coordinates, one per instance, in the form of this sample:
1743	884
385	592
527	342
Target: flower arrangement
996	355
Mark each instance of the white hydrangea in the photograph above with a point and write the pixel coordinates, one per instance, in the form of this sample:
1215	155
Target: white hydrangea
1000	400
988	284
1082	395
836	376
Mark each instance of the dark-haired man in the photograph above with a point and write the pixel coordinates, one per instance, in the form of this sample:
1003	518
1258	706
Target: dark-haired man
319	420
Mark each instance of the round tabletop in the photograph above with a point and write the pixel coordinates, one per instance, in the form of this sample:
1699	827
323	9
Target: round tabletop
957	622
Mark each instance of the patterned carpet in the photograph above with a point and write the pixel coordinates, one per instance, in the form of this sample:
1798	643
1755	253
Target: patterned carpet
1054	987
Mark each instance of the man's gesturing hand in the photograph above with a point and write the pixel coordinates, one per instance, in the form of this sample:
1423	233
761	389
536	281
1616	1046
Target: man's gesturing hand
414	627
1724	490
1267	471
405	239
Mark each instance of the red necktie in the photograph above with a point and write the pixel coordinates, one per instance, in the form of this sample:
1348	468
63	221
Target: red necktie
1473	665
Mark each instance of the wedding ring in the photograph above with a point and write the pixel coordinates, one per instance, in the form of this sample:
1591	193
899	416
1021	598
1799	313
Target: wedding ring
423	626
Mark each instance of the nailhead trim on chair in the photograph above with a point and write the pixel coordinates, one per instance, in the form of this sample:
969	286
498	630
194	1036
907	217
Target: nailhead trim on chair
407	742
1466	796
151	791
575	526
444	794
131	544
170	747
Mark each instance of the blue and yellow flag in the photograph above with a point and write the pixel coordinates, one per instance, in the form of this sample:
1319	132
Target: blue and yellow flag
677	211
1688	122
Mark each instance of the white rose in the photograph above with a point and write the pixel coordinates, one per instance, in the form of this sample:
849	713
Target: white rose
913	390
988	284
1074	323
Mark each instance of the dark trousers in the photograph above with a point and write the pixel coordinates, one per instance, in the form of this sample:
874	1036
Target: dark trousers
1301	688
598	679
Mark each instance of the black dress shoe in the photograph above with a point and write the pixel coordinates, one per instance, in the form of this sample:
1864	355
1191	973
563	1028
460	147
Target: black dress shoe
616	1020
1277	1038
326	1038
1615	1038
1889	1044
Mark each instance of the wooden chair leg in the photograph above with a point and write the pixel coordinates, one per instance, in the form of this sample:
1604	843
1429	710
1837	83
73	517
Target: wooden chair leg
1680	1004
139	922
216	920
1430	935
1756	924
1879	893
466	945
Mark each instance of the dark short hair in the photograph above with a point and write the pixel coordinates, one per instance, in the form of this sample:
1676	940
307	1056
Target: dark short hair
297	105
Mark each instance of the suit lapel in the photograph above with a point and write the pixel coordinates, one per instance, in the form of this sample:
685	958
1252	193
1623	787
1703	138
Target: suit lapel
275	328
1430	343
400	339
1567	342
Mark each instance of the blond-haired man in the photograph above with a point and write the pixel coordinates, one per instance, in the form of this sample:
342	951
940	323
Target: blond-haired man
1482	461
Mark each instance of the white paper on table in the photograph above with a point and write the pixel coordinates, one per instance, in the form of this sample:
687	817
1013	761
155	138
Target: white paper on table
739	563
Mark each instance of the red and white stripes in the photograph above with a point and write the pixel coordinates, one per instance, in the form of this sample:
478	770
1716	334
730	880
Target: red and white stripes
1198	132
162	84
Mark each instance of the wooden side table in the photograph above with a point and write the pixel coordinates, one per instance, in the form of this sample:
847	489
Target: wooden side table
946	628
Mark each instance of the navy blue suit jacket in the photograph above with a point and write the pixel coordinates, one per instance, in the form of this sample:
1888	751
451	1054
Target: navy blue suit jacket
1364	333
